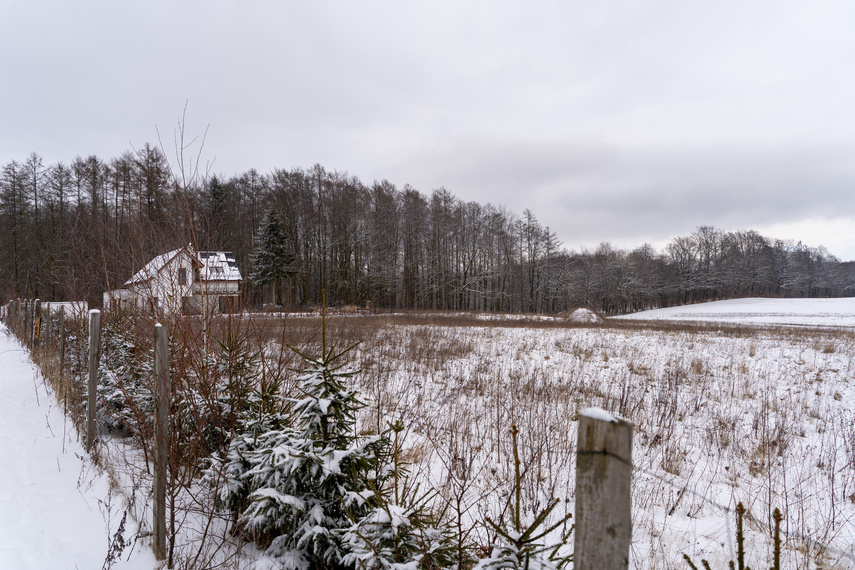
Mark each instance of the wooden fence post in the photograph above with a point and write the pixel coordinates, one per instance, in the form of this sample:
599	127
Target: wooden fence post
161	437
94	355
46	327
28	307
61	343
603	507
37	323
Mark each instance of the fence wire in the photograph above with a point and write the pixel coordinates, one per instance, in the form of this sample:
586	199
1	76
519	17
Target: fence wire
683	488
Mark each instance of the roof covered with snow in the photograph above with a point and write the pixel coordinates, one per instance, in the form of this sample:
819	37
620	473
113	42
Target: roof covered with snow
218	266
154	266
213	266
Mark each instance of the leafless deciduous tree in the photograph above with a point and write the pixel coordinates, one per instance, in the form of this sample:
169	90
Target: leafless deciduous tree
71	232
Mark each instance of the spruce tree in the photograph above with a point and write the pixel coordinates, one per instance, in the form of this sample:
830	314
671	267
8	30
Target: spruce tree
271	258
316	495
300	482
531	547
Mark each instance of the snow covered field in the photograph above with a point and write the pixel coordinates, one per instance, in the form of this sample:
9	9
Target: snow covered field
763	417
806	312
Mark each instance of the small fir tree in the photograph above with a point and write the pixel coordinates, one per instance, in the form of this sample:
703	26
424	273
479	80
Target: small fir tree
317	496
400	531
299	482
126	403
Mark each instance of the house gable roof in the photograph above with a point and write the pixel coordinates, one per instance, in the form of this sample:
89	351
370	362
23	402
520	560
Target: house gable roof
218	266
213	266
156	265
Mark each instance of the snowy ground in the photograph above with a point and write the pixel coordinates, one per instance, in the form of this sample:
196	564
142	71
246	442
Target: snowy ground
804	312
56	509
764	418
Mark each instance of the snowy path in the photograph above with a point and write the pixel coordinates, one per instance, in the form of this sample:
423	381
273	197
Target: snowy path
52	502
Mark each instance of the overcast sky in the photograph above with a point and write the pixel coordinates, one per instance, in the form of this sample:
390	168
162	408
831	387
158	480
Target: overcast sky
627	122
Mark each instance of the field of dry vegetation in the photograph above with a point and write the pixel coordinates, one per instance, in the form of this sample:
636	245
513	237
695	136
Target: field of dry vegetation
722	414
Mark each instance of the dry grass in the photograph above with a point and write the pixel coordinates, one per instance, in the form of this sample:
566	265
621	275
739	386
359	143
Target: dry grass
721	412
712	405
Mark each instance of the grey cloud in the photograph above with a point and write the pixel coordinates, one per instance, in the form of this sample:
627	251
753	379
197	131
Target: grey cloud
611	121
603	193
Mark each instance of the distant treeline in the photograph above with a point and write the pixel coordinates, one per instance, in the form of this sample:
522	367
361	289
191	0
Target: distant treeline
72	231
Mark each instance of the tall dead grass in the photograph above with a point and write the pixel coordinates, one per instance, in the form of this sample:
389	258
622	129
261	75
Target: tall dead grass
714	407
722	413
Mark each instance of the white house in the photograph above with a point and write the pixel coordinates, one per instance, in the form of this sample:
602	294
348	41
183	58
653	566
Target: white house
182	282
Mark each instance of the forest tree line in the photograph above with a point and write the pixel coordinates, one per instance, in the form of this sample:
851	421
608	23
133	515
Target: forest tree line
72	231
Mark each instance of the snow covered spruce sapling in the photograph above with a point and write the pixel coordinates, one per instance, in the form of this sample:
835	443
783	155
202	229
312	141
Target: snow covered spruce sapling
126	400
400	531
311	479
312	491
229	393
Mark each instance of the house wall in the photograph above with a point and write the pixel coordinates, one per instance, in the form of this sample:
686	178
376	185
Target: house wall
217	296
119	300
220	287
163	291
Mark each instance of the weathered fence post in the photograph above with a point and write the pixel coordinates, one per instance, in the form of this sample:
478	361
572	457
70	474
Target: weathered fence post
28	322
94	355
161	437
46	327
61	343
603	476
37	323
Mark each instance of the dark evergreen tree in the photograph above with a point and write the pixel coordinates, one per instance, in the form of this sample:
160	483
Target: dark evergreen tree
300	485
214	215
319	496
271	259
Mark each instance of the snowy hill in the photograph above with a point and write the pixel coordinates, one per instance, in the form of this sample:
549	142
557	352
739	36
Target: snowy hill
799	312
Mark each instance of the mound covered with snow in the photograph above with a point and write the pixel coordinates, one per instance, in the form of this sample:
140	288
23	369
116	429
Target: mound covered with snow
582	315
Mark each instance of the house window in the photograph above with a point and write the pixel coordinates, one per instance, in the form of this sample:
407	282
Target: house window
185	305
182	276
